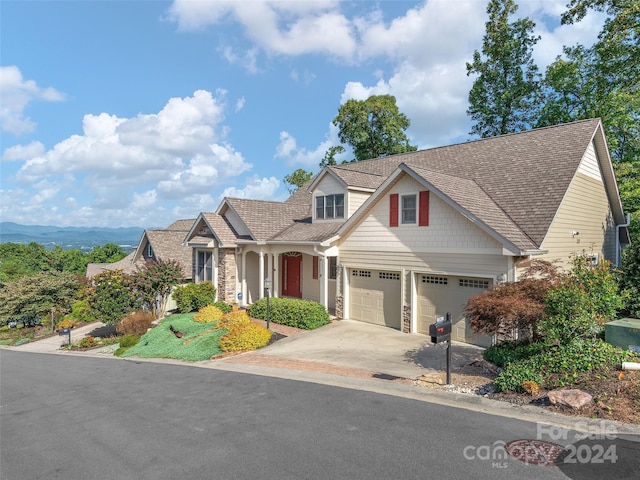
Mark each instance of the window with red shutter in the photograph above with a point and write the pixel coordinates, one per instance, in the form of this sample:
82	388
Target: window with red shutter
423	209
393	210
315	268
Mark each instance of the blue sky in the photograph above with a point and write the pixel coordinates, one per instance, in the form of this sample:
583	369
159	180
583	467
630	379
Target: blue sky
122	113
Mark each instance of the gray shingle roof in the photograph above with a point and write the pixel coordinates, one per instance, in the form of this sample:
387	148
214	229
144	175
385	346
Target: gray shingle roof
167	245
265	219
221	228
526	174
307	232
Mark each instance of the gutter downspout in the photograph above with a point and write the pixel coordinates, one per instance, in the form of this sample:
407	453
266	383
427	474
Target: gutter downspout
618	249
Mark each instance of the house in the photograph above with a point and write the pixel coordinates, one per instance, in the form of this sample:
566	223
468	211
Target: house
155	244
404	239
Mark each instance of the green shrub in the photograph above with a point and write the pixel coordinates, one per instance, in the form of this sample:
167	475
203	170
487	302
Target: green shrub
136	323
208	314
234	320
292	312
80	311
511	351
193	296
249	336
224	306
127	341
559	365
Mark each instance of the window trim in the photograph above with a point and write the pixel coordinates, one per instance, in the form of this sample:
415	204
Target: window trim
330	207
404	210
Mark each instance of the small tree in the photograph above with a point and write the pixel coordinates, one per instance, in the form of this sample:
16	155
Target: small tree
516	306
111	296
154	282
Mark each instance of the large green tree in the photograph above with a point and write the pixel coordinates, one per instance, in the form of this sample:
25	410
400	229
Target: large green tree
372	128
602	81
505	95
33	296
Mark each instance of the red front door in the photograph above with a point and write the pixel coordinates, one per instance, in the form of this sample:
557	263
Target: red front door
291	276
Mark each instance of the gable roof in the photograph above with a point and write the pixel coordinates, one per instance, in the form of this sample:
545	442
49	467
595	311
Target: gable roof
264	219
525	175
167	244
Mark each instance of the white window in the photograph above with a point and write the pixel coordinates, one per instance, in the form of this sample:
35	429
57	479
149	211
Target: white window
330	206
204	266
333	268
409	209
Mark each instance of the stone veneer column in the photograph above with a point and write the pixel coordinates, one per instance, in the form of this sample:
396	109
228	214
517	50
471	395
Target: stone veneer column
339	313
406	318
227	275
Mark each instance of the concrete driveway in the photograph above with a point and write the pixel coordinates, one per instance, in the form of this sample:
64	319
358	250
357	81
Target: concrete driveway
360	345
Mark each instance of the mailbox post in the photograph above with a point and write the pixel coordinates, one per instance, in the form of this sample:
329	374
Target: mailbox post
63	332
441	332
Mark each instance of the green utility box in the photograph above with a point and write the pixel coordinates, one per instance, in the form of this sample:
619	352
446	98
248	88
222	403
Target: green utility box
623	333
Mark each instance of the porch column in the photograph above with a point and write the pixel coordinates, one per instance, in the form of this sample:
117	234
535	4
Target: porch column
261	275
324	280
243	280
214	260
275	281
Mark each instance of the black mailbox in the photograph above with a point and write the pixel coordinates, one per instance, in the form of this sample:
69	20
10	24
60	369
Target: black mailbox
440	332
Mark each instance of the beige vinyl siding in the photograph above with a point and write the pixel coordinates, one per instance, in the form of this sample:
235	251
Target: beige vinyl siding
584	209
310	286
448	230
356	199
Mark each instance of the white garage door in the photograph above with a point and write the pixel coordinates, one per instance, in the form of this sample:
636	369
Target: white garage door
438	294
375	297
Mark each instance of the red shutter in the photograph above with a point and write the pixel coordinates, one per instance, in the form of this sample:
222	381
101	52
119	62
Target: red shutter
423	209
393	210
315	268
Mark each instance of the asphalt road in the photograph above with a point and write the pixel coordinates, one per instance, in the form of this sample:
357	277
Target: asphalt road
66	417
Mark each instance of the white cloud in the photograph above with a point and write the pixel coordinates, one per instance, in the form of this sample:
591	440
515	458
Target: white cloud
178	152
255	188
278	27
16	94
292	154
23	152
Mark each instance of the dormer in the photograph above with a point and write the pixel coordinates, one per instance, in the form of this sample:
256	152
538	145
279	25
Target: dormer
337	193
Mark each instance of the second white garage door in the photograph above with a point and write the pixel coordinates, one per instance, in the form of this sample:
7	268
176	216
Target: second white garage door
439	294
375	297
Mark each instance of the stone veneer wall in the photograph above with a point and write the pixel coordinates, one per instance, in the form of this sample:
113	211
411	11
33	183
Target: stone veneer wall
227	275
406	318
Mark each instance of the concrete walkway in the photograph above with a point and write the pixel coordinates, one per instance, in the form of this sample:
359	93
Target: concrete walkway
54	343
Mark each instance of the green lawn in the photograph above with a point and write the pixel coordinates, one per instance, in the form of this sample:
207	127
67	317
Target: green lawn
195	345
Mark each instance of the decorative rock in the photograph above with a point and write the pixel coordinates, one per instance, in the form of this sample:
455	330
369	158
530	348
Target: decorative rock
572	398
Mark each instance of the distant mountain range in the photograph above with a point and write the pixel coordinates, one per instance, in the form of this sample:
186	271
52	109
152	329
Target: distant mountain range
81	238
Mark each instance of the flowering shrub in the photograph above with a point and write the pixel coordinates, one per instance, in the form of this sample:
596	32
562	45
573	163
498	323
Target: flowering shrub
87	342
208	314
233	320
66	323
245	337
